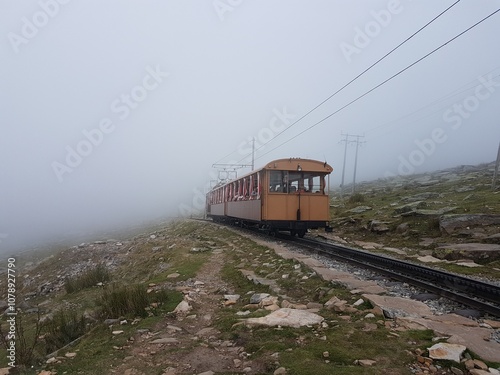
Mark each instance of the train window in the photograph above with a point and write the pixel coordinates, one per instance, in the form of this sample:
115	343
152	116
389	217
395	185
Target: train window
293	182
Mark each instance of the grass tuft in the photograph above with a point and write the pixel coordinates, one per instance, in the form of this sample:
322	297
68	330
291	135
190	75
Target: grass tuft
130	301
90	278
65	327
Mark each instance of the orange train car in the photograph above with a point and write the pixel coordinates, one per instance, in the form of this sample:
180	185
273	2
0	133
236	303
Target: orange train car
285	194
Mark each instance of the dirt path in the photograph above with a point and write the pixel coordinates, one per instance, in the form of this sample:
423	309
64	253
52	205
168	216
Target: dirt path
188	343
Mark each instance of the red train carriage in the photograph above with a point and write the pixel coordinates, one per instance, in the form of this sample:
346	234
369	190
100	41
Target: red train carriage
286	194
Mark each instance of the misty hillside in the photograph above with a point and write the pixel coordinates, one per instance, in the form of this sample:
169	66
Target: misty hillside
449	214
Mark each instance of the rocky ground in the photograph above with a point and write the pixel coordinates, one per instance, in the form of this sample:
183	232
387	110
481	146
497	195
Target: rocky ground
246	305
451	217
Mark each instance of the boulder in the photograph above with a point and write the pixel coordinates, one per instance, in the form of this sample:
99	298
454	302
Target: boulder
425	212
360	209
398	306
475	251
450	223
287	318
378	226
447	351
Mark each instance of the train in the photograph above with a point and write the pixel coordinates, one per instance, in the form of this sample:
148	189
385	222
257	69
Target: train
284	195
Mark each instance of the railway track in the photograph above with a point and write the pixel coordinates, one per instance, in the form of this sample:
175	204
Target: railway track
479	295
475	294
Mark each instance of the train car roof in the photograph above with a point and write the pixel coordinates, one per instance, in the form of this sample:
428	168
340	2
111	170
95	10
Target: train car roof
298	164
290	164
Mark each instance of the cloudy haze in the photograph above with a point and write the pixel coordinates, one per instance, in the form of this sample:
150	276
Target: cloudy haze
113	112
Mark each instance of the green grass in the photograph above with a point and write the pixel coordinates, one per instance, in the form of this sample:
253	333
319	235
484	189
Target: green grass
90	278
65	327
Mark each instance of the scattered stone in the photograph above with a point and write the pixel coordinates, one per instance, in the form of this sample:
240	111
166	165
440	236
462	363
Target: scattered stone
464	189
287	318
182	308
494	238
468	263
165	340
173	275
398	306
430	259
456	371
258	297
476	371
402	228
424	212
231	299
421	196
365	362
359	209
70	355
368	245
450	223
378	226
447	351
199	249
474	251
410	207
118	332
280	371
359	302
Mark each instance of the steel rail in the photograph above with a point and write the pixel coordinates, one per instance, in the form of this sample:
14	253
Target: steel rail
479	295
476	294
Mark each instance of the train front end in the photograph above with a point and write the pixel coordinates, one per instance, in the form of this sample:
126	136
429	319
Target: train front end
296	195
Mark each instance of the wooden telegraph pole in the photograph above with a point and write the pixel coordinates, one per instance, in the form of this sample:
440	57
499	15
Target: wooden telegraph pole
495	174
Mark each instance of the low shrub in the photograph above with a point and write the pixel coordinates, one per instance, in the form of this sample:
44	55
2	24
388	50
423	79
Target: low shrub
90	278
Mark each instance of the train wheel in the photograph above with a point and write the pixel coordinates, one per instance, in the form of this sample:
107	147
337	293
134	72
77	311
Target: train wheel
272	232
293	232
302	232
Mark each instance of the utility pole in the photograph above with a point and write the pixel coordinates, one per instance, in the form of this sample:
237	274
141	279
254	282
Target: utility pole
347	139
253	152
355	162
343	166
495	174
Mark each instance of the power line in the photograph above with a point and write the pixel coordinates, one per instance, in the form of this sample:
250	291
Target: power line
352	80
443	98
382	83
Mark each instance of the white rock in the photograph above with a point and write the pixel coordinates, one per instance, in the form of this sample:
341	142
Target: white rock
182	308
448	351
286	317
359	302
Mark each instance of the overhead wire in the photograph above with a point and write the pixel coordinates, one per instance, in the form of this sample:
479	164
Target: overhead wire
382	83
450	95
348	83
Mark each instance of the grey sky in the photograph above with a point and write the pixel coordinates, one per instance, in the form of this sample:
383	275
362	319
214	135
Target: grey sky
114	111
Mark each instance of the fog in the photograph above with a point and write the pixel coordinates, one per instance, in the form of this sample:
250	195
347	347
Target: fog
113	113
